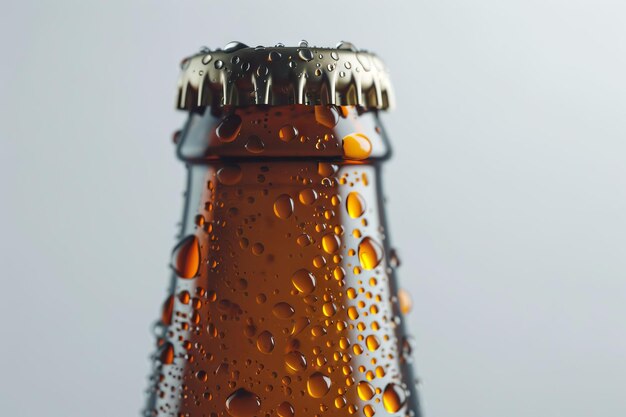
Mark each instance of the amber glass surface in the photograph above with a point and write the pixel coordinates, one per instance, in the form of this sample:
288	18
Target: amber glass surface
284	300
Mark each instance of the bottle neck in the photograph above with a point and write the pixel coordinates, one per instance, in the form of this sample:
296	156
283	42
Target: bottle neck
340	133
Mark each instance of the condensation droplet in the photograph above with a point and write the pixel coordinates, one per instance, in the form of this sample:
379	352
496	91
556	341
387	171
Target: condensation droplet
255	144
206	59
304	281
186	257
393	398
370	253
307	196
330	243
356	146
372	342
355	204
283	310
285	409
234	46
287	133
229	174
243	403
295	361
283	206
258	248
318	385
305	54
265	342
365	390
229	127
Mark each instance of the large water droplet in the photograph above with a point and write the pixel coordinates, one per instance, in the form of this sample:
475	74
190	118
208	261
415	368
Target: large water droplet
393	398
305	54
318	385
229	127
285	409
186	257
370	253
369	411
304	281
206	59
234	46
307	196
365	390
356	146
355	204
283	206
283	310
287	133
372	342
255	144
229	174
330	243
265	342
243	403
295	361
347	46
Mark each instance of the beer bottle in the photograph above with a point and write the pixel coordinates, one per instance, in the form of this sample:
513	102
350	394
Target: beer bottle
283	300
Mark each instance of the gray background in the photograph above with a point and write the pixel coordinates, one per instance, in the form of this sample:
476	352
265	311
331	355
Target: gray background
506	195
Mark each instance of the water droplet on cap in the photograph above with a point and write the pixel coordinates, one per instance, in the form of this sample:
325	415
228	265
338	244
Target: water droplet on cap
347	46
305	54
234	46
274	56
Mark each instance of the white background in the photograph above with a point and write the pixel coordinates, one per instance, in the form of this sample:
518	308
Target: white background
507	193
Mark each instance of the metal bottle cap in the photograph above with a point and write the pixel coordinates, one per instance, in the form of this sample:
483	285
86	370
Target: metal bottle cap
239	75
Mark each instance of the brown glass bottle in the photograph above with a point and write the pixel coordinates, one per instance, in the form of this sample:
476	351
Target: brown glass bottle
284	300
